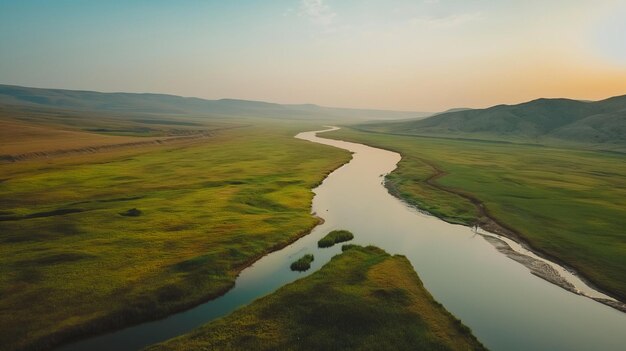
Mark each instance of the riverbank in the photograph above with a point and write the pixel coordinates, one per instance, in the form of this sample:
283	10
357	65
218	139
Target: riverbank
487	222
547	272
437	176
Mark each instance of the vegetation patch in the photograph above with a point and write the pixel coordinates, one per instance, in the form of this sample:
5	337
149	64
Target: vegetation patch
133	212
335	237
303	263
363	299
348	247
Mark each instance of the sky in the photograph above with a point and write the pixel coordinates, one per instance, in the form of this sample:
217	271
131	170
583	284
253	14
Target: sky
420	55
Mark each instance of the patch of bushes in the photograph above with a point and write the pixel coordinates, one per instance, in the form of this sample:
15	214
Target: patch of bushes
303	263
335	237
133	212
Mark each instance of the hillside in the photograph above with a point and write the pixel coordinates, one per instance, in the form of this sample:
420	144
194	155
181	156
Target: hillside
601	123
176	105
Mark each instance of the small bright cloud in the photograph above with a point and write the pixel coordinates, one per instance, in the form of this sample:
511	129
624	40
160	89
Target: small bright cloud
318	12
454	20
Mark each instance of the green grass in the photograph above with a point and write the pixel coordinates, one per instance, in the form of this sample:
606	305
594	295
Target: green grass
335	237
303	263
104	240
363	299
567	203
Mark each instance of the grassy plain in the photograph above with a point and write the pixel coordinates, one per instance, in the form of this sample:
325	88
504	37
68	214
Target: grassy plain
569	204
54	121
18	138
73	263
363	299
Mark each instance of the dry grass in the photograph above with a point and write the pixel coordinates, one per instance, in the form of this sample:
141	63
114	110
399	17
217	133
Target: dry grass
20	138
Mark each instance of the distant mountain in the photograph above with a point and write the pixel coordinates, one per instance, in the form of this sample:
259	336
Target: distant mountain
457	109
542	120
177	105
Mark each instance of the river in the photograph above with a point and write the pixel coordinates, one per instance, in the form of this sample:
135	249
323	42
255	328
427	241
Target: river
506	306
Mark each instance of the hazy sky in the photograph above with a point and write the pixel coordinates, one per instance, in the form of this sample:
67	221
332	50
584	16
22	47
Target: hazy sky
409	55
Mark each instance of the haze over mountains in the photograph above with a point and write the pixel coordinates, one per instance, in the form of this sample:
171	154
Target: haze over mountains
600	123
177	105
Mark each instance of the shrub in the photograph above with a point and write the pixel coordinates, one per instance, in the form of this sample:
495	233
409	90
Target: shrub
335	237
302	264
133	212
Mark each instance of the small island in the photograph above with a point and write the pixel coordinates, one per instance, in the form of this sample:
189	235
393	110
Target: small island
303	263
335	237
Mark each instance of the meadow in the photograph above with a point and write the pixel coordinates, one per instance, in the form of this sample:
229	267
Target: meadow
97	241
363	299
565	203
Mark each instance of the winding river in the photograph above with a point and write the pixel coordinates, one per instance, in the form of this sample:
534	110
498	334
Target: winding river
507	307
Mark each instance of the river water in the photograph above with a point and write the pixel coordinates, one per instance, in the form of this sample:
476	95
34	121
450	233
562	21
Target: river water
506	306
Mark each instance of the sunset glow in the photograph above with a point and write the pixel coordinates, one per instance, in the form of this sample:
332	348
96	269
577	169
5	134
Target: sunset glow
406	55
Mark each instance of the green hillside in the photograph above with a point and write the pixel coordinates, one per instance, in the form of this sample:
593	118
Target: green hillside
176	105
601	123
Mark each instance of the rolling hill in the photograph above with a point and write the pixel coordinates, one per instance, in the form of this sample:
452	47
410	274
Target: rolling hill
136	103
599	123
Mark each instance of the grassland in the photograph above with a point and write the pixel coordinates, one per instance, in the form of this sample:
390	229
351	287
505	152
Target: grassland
363	299
74	262
568	204
19	138
20	124
335	237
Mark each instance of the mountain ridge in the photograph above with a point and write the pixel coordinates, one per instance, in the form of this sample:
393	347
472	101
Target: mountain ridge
87	100
543	120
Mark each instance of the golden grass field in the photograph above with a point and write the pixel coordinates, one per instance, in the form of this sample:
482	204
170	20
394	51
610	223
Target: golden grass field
74	262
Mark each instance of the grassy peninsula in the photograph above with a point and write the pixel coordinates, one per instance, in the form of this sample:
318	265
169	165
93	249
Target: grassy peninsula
363	299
